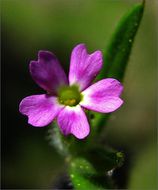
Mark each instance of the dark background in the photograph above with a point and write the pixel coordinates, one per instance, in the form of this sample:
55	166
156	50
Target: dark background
28	160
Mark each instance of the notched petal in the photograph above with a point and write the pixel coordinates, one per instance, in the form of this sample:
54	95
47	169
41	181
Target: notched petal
47	72
40	109
46	55
103	96
72	120
84	67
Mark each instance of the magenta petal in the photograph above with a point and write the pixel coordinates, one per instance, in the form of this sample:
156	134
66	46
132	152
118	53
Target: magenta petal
103	96
84	67
72	120
40	109
47	72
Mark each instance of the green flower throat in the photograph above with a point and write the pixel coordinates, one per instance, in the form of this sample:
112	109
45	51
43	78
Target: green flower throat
69	95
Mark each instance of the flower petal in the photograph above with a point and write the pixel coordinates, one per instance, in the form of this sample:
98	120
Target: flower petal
84	67
40	109
47	72
73	120
103	96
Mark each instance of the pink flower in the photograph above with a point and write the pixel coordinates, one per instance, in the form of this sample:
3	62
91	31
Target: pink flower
66	98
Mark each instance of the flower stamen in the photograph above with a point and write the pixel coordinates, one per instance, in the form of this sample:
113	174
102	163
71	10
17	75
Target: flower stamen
69	95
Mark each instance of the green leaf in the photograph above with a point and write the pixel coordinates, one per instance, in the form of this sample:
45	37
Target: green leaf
92	172
84	176
118	51
106	158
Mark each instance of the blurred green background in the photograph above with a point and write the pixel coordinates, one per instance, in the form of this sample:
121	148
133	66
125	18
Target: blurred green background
28	160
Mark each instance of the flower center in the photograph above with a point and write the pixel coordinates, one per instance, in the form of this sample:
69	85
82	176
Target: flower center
69	95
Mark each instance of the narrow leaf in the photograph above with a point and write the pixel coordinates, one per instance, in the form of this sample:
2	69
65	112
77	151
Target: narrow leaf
117	53
84	176
119	49
106	158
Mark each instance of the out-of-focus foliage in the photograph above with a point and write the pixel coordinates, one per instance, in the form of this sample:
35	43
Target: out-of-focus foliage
144	173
